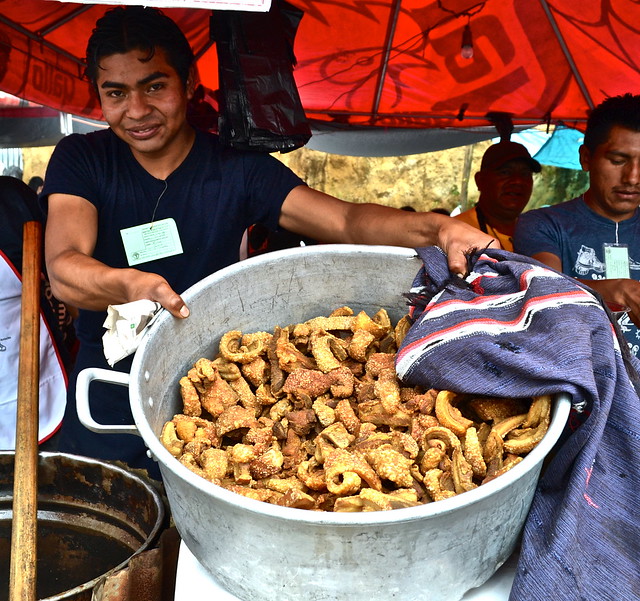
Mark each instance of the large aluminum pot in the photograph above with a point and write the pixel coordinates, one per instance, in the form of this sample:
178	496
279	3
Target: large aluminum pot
261	552
93	517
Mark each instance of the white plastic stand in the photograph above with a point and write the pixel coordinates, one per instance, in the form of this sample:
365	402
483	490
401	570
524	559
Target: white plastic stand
193	581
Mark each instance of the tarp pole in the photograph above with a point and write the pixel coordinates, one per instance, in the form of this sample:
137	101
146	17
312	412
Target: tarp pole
566	53
391	30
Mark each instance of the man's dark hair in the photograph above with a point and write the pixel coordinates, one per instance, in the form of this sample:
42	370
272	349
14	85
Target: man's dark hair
127	28
623	111
35	182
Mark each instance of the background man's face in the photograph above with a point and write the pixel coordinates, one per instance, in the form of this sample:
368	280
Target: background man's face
614	174
505	191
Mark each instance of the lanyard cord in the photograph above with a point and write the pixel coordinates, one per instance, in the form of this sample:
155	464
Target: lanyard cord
158	202
482	222
617	223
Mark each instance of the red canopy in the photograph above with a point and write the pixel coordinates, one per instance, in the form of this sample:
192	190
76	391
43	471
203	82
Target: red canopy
390	63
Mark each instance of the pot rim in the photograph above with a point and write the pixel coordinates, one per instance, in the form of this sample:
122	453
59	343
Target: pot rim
127	475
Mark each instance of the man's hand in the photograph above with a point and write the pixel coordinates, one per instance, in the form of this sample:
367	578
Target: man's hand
456	238
151	286
624	292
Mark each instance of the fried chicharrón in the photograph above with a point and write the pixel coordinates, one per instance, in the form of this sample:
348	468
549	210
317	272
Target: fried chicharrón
313	416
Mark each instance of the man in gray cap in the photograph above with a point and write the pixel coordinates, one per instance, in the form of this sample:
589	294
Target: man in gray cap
505	182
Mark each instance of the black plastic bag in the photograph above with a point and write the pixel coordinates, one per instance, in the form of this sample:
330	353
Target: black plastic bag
260	107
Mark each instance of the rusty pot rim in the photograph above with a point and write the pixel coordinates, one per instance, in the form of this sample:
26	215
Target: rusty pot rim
127	475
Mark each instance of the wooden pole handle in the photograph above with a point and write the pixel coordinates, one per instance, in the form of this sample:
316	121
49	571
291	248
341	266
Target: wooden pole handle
22	578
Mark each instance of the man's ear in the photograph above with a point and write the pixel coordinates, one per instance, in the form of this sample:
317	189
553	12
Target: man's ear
585	157
480	179
191	82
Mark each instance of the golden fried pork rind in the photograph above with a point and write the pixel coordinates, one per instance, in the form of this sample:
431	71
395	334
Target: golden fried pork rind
313	416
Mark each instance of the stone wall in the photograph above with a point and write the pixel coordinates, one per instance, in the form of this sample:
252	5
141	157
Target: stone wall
35	161
423	181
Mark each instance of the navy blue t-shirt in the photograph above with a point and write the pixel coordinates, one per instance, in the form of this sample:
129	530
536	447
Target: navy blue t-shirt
213	196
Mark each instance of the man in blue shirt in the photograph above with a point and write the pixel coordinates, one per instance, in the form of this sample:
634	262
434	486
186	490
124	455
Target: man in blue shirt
596	237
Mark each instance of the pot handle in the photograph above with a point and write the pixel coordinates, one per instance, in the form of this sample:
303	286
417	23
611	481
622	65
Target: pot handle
85	377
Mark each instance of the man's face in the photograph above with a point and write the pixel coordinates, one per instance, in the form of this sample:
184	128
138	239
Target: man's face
614	174
505	191
144	103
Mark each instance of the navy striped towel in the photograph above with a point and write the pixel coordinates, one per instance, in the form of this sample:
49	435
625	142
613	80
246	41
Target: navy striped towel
515	328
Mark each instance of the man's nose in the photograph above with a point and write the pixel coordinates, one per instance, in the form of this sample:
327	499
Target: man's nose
632	172
138	105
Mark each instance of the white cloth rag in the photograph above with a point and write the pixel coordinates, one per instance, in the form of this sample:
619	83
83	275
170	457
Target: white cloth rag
125	326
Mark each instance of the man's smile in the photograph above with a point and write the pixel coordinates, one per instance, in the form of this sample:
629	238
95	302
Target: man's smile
143	132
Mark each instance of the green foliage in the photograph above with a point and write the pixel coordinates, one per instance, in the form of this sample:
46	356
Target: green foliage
555	185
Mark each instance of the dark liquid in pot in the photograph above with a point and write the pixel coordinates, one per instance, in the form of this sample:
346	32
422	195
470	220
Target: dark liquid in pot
68	556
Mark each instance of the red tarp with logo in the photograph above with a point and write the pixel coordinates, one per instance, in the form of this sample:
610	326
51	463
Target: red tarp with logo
378	63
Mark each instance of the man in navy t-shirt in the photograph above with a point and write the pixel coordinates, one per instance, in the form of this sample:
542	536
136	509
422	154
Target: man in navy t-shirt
151	206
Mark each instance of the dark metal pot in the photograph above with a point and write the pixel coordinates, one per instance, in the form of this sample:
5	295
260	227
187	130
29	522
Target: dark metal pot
93	517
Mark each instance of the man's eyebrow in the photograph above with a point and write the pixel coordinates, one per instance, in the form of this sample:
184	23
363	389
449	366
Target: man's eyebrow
617	153
149	78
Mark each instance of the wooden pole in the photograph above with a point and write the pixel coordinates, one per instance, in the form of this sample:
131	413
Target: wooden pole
466	173
22	577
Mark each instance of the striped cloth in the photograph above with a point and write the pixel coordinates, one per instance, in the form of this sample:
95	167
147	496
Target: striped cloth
515	328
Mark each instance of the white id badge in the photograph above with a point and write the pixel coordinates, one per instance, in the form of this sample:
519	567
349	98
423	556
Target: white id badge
151	241
616	261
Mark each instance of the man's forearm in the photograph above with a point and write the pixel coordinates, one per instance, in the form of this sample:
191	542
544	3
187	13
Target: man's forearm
86	283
